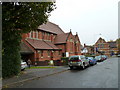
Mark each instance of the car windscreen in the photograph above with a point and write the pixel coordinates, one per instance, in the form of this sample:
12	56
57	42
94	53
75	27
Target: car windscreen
74	58
97	57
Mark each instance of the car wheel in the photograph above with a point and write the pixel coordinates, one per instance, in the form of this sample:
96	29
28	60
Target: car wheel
83	66
23	69
88	64
71	67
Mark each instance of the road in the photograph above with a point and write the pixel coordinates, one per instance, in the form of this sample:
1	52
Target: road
102	75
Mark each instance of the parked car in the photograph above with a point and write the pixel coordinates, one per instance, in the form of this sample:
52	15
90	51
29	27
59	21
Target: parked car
78	61
92	61
98	58
118	55
23	65
104	57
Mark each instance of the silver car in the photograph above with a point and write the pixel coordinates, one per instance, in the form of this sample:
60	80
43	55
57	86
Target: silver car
78	61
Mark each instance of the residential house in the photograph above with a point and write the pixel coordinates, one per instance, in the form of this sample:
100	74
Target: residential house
87	49
113	47
101	47
50	43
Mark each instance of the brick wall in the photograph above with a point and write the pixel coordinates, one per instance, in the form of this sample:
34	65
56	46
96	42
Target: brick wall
103	46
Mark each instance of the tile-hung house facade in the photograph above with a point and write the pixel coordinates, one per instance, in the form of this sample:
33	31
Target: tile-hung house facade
44	43
101	47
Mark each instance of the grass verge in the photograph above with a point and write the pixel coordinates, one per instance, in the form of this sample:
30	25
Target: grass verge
37	67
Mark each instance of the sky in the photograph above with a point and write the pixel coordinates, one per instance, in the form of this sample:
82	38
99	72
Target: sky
91	19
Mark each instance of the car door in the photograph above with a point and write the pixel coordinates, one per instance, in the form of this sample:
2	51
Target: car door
85	60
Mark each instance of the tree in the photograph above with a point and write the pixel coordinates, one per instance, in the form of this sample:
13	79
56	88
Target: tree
118	45
19	18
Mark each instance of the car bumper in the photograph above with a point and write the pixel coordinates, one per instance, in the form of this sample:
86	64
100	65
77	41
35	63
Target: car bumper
75	64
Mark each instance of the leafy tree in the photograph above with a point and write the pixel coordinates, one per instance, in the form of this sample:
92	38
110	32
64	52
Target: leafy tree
19	18
118	42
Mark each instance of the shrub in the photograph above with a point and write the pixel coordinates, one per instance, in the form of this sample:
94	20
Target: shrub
65	60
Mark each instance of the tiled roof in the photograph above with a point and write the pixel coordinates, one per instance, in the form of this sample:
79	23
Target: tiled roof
51	27
25	49
61	38
40	44
52	45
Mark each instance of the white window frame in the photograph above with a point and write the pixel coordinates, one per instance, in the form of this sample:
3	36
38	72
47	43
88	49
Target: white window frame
36	34
30	35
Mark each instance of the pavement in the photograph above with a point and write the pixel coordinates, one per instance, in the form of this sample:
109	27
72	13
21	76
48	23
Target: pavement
32	74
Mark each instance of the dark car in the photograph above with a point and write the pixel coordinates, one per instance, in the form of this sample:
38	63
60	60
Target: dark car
92	61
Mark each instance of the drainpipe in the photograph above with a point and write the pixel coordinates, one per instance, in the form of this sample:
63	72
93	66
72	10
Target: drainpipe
65	49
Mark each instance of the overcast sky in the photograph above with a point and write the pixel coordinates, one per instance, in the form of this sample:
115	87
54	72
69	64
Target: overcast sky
90	18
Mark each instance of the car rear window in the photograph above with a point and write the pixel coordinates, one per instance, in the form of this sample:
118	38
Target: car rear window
90	57
74	58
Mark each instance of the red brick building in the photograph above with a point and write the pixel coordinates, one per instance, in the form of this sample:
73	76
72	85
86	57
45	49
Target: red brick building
49	43
89	49
101	47
69	43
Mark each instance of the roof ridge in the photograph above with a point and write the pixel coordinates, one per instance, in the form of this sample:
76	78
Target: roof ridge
56	25
48	44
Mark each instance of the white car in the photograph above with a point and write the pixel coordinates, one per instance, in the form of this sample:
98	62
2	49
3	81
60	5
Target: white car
23	65
78	61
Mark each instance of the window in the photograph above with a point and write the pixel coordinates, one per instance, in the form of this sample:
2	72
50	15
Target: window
36	34
43	33
76	41
48	36
102	45
40	53
48	52
31	34
98	45
59	52
71	40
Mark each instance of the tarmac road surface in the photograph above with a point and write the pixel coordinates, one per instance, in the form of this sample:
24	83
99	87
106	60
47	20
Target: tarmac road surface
102	75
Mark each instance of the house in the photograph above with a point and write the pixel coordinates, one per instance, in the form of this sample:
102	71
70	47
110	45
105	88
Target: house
101	47
113	47
49	43
88	49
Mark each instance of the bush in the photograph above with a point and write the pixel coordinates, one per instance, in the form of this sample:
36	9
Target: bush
65	60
